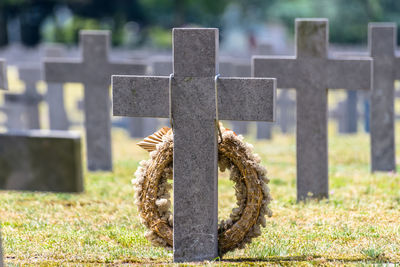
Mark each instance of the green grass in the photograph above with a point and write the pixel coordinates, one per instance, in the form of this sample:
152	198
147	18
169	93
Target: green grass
358	225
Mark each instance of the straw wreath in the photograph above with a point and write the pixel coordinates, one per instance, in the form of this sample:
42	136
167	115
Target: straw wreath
252	193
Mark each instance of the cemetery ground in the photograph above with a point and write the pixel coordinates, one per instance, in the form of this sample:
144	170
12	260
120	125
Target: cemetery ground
359	223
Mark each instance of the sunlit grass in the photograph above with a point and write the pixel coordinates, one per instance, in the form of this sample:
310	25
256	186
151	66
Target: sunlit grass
359	224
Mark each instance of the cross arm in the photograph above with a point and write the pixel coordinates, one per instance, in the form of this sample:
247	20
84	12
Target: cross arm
281	68
62	71
246	99
140	96
349	73
3	75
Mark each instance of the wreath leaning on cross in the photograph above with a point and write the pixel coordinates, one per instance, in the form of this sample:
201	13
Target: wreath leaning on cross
252	193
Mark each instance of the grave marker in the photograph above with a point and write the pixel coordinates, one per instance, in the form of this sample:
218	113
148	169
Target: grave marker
351	112
94	71
55	95
192	103
3	85
286	111
3	75
311	71
31	99
382	44
37	160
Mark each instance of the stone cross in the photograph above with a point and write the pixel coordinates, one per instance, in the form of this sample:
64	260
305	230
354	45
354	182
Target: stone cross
346	113
311	72
193	106
94	71
55	95
31	99
3	75
3	85
351	112
286	111
339	114
382	44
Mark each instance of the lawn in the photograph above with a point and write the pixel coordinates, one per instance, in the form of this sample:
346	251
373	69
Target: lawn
359	223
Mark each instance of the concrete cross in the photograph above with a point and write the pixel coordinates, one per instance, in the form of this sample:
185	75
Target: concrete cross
286	111
3	75
339	114
351	113
382	45
31	99
311	71
3	85
193	107
346	113
94	71
55	94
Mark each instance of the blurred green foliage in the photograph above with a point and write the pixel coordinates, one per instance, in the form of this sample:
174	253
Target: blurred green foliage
38	19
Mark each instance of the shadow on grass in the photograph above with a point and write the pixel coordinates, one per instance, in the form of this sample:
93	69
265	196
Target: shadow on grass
308	258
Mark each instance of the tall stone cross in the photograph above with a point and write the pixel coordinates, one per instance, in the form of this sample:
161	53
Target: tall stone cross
94	71
3	85
58	117
193	107
31	99
3	75
382	45
286	111
311	72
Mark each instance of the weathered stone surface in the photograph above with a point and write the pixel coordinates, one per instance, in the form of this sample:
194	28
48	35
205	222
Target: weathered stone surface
31	75
351	112
286	111
382	40
41	161
55	94
94	71
3	75
311	72
193	107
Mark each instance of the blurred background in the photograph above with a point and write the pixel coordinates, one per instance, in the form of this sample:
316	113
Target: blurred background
147	23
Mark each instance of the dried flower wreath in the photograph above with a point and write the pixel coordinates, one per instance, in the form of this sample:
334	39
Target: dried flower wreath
252	193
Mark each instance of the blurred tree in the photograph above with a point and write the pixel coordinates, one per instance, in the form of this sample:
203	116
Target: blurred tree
348	19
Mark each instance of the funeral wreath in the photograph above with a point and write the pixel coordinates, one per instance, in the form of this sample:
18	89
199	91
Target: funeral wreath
152	190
